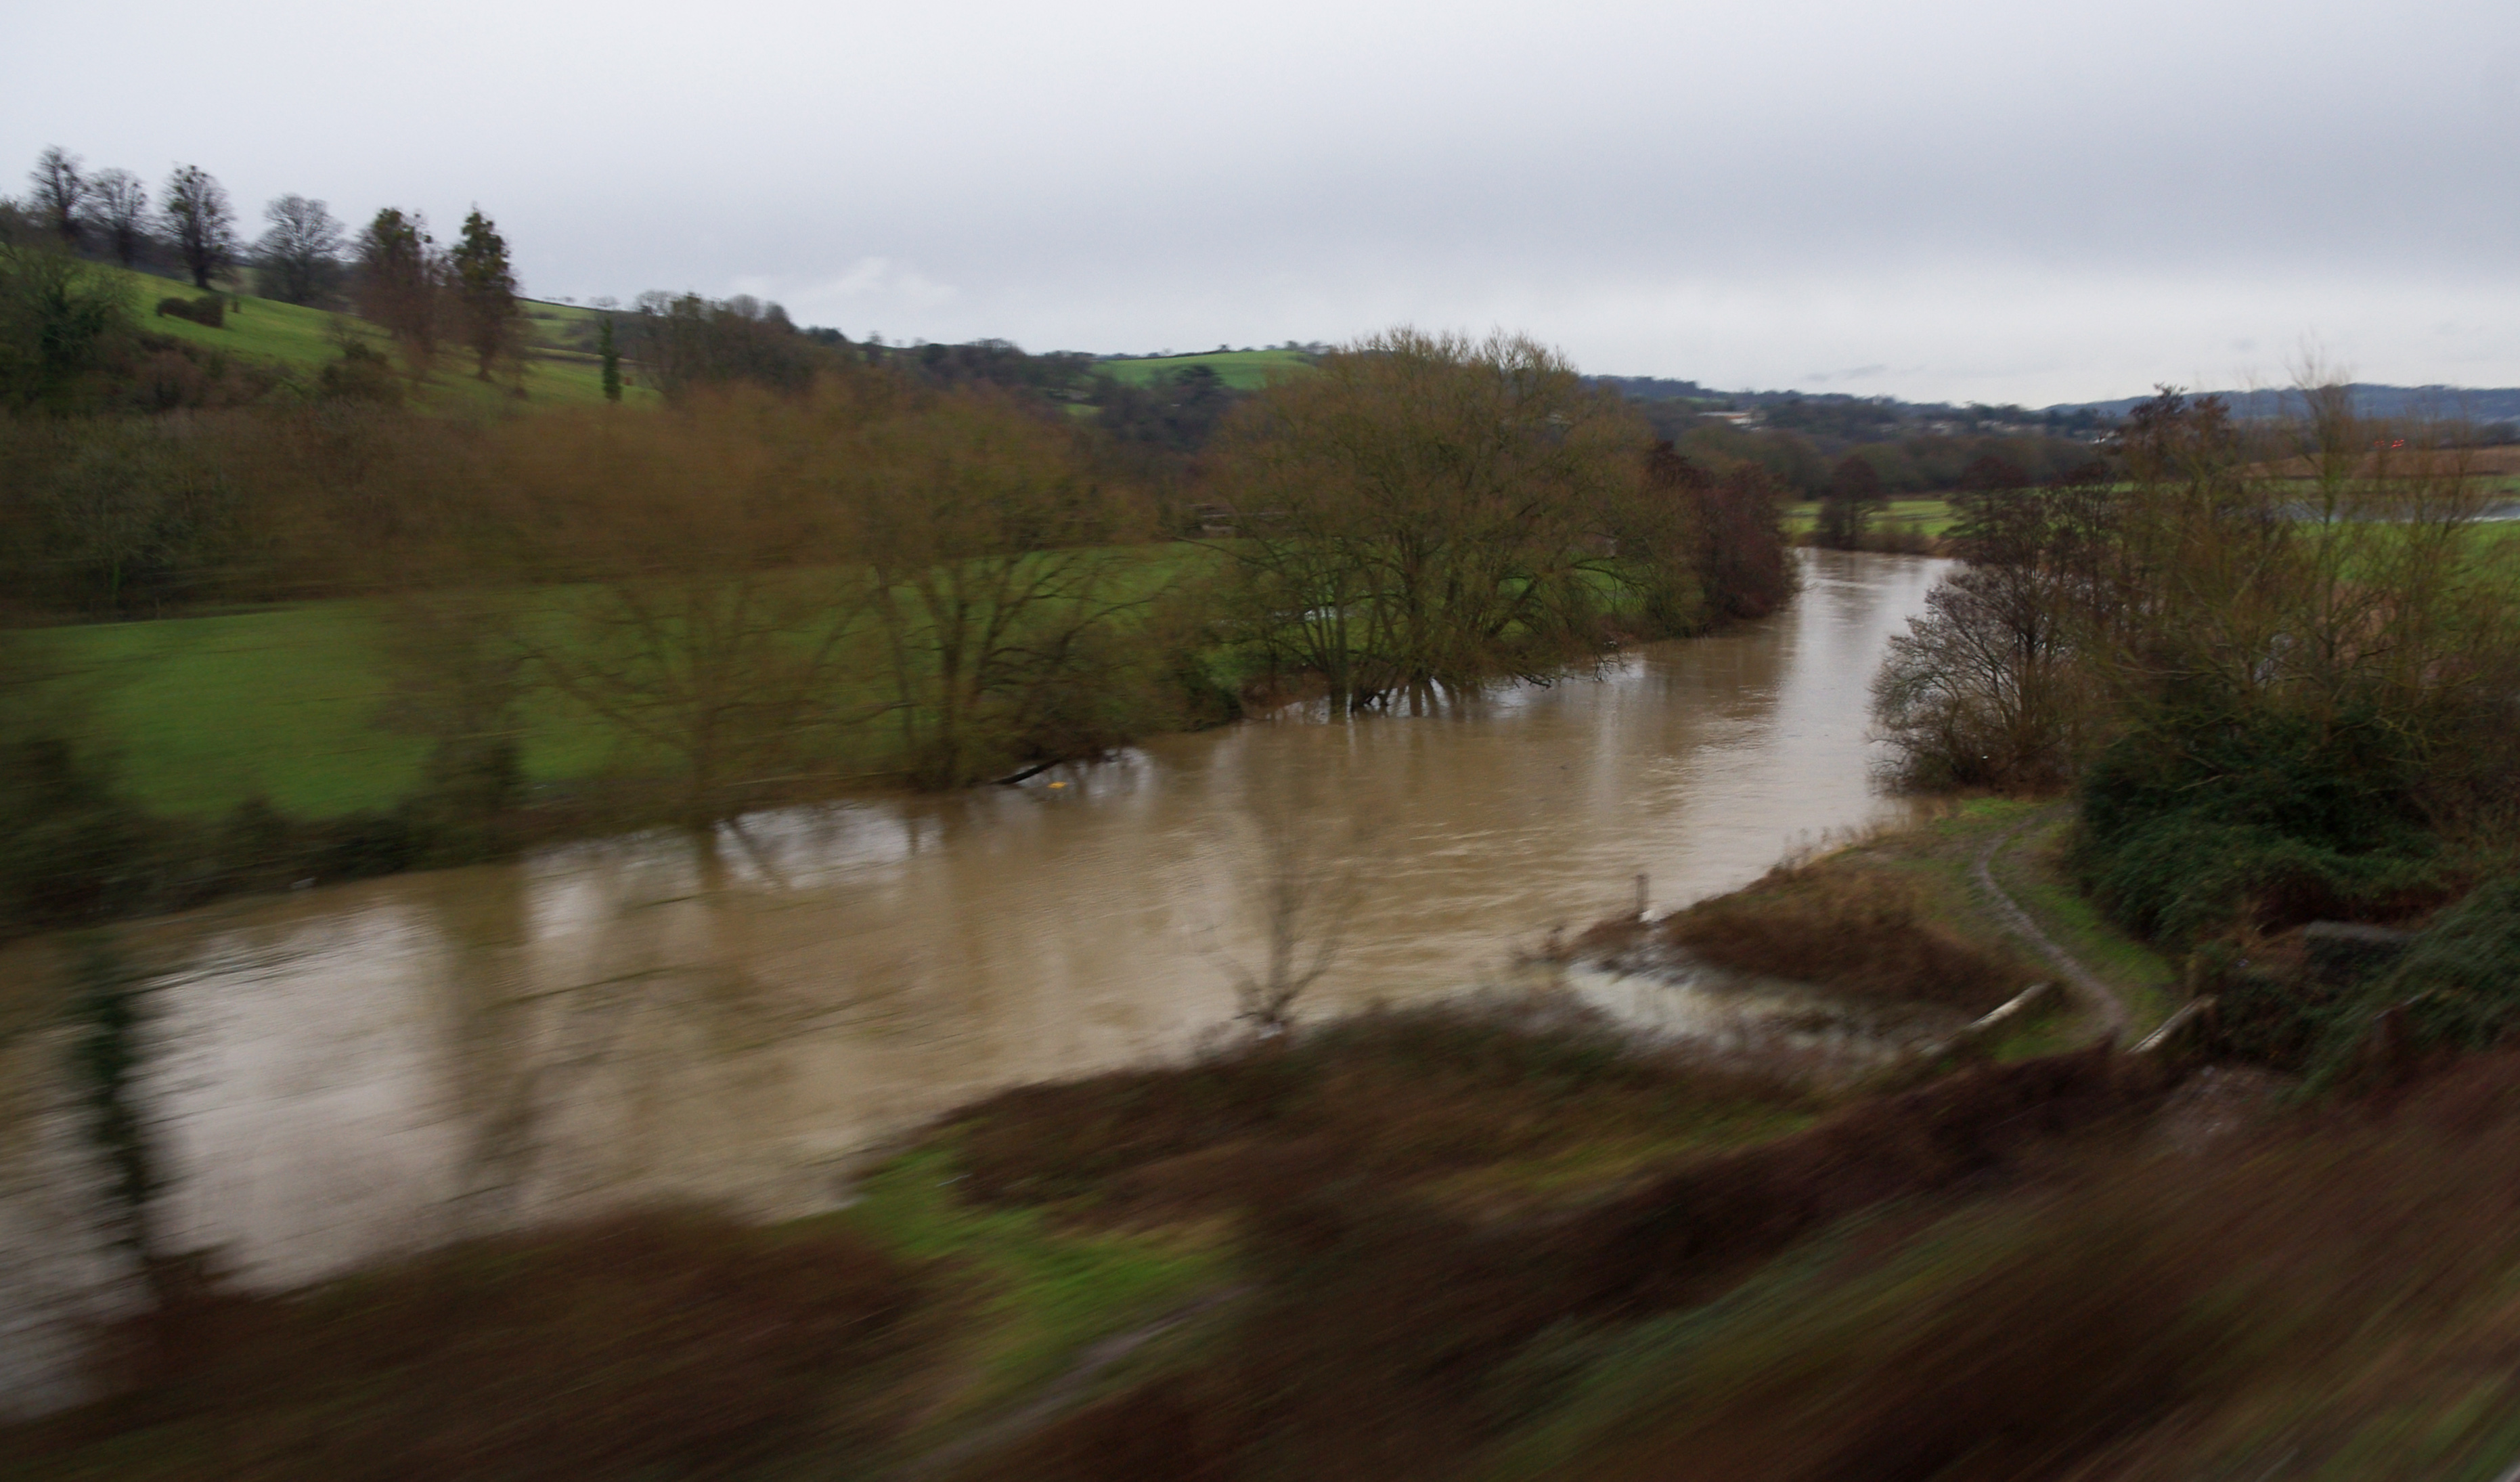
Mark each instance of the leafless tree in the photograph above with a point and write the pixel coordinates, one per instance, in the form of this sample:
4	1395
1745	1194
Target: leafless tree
201	222
61	193
119	203
300	256
1301	879
1429	513
698	605
997	572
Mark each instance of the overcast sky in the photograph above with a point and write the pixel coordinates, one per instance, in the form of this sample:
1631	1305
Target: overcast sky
1996	201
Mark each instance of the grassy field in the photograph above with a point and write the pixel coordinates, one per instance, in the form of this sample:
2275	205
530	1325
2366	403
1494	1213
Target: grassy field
1927	517
558	368
295	705
1243	370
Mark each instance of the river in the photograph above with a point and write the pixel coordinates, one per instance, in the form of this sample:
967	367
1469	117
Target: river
347	1072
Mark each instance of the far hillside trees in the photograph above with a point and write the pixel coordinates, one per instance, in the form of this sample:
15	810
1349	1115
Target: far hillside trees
299	259
607	352
200	221
485	294
118	205
61	193
400	285
688	342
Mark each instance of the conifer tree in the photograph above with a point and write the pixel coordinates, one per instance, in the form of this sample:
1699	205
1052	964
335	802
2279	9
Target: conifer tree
400	282
485	292
611	353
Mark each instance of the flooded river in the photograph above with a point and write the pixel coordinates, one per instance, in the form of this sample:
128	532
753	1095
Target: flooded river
347	1072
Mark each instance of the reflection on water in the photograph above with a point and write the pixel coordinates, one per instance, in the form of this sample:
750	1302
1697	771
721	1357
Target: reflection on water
355	1070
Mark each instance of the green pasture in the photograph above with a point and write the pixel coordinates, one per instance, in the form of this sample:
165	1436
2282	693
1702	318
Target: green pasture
559	370
1243	370
1931	517
298	705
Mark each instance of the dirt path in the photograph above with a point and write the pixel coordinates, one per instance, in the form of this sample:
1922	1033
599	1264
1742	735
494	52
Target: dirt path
2108	1011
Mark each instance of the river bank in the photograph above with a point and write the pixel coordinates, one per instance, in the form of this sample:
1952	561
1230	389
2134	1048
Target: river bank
1503	1236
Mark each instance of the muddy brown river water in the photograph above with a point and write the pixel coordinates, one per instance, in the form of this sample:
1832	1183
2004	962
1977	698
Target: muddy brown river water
344	1072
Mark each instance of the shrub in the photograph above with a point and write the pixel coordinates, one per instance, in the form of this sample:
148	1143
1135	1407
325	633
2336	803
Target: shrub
209	309
1855	931
2208	817
2459	985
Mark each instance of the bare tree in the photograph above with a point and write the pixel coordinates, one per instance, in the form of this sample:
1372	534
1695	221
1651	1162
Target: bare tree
1301	880
201	222
119	203
61	193
300	258
701	607
1430	513
997	574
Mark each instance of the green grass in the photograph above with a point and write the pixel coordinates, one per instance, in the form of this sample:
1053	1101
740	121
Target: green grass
1045	1292
559	371
202	713
1243	370
292	705
1929	516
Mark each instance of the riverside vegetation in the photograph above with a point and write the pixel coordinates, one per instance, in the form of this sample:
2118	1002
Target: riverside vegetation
804	570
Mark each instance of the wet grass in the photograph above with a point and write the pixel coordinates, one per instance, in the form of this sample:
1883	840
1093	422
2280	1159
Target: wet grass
1941	856
1499	1106
2337	1298
1036	1291
2033	870
663	1343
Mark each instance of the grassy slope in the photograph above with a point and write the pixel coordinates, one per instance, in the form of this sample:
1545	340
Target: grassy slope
559	372
1243	369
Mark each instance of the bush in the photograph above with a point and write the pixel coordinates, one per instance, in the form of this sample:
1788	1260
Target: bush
209	309
1855	931
2207	819
361	375
2459	985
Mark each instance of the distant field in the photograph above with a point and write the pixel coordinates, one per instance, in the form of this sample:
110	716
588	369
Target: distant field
1931	517
1243	370
558	372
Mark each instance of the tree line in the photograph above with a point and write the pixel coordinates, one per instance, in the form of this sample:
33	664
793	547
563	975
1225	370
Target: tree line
2275	665
863	568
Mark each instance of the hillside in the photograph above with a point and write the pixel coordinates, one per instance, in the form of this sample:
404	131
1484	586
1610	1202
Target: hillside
561	366
2485	404
1243	370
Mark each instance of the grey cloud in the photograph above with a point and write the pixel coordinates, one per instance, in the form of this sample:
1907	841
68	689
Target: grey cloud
1990	199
